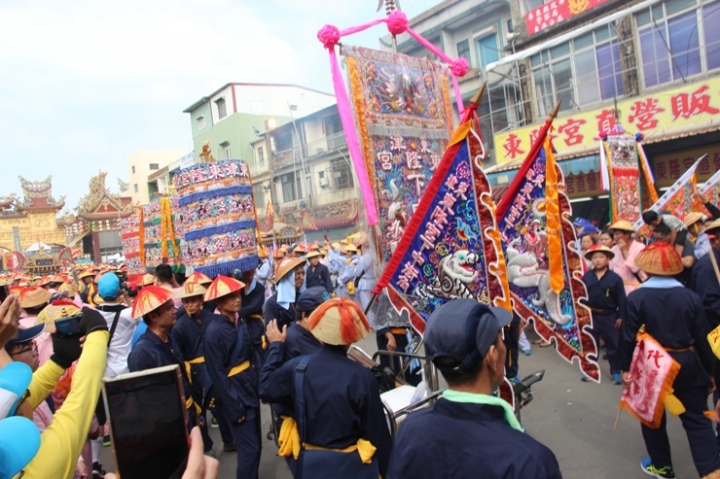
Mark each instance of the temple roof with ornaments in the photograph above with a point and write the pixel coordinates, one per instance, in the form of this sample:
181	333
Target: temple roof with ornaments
100	203
37	196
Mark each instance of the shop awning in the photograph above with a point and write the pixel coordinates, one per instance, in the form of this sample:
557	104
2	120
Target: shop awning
504	174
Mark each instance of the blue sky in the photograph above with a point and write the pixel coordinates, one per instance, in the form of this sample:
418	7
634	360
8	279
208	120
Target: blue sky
85	83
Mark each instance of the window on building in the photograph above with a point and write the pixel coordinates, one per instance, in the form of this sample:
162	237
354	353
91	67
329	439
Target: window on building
261	155
132	168
283	140
259	195
671	44
154	166
463	50
581	72
290	188
221	108
135	187
342	176
334	131
225	148
200	122
488	49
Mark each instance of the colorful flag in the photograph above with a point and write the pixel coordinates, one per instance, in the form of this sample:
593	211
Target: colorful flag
306	222
269	216
543	266
711	188
652	372
451	246
18	261
678	200
65	257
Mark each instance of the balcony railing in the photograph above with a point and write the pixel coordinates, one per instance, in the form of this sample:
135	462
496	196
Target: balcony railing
309	150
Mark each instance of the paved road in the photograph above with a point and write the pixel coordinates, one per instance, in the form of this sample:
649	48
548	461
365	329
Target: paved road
573	418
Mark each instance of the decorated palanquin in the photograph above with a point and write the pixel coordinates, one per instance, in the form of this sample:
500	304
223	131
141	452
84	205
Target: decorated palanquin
133	249
404	120
162	238
217	216
653	372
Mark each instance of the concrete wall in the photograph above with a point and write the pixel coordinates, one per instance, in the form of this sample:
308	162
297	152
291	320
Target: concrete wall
141	161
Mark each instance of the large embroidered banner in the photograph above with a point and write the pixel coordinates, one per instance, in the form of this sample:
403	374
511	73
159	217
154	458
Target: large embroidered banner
162	238
653	372
404	120
525	228
451	248
131	231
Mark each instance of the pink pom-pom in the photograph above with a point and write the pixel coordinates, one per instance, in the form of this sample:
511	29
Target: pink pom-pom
397	22
460	67
329	36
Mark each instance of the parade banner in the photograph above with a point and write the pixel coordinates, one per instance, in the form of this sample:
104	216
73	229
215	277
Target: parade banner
162	239
652	372
404	118
66	257
711	188
451	248
534	244
678	200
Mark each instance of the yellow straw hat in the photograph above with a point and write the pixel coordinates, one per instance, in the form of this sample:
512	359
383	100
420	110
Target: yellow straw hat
286	266
198	278
147	280
149	299
622	225
599	248
189	290
659	258
34	297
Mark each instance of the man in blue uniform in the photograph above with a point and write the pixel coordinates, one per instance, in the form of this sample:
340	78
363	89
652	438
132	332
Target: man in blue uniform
337	402
290	277
606	300
264	271
251	313
317	274
189	333
228	350
157	347
468	433
674	317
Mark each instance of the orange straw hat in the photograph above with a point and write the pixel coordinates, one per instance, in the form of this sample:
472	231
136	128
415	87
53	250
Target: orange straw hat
222	286
599	248
339	322
189	290
262	253
149	299
659	258
198	278
34	297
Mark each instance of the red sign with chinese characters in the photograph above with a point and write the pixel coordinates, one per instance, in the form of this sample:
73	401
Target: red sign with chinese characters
555	11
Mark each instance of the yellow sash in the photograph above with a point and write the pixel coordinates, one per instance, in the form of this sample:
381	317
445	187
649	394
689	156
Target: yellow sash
239	368
289	440
188	366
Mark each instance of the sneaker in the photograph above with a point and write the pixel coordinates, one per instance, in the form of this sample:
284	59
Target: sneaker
214	423
616	378
527	352
97	471
584	378
106	441
659	472
229	447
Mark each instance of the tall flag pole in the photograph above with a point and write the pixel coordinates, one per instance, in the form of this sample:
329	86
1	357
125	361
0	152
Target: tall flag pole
543	265
450	248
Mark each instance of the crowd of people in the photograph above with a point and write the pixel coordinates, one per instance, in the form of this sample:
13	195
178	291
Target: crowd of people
280	334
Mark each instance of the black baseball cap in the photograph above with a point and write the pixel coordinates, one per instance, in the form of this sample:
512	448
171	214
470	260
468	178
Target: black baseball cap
464	330
311	298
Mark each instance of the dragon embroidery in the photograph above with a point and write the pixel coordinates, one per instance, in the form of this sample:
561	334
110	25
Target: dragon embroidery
456	271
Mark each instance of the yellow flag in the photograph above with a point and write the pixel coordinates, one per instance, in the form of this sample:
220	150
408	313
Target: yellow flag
554	224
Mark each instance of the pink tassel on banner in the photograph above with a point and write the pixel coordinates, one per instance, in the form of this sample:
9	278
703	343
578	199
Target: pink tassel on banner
397	23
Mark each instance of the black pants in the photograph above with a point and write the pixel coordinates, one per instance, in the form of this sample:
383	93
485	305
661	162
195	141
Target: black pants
511	340
604	325
698	428
247	436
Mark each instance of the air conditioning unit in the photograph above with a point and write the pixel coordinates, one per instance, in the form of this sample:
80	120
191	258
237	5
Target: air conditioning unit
323	182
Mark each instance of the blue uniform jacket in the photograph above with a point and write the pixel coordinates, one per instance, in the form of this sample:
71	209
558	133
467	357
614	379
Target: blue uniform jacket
151	352
319	276
299	342
342	399
467	441
674	317
238	392
274	311
189	333
607	294
705	284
